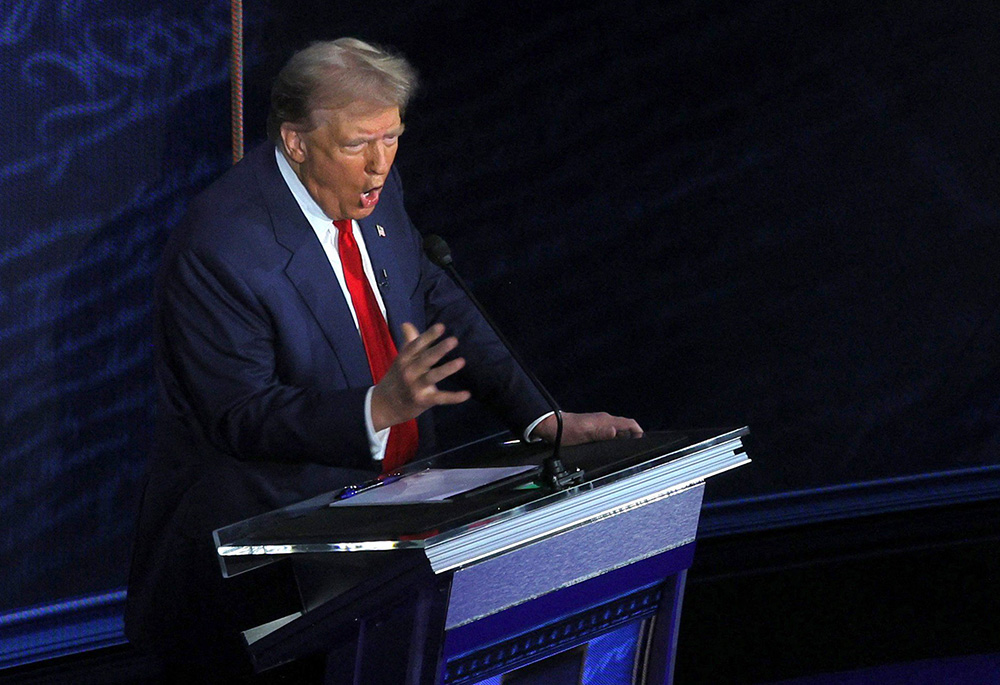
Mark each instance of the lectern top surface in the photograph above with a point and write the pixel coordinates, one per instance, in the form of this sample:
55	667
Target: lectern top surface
315	525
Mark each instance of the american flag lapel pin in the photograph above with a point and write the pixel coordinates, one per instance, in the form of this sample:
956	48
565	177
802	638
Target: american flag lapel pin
381	231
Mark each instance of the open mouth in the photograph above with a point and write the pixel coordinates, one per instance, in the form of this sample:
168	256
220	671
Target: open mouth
369	198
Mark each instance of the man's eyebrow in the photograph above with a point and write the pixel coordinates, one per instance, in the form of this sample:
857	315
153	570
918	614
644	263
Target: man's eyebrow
396	131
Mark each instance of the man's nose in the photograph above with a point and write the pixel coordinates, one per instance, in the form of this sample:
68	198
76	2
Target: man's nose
377	161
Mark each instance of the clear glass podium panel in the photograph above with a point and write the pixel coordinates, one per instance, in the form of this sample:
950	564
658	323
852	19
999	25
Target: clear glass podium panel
481	499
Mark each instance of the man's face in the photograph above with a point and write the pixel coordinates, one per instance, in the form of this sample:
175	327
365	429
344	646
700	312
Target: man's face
344	161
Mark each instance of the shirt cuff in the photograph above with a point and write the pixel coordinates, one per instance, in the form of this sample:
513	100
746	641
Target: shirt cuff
377	440
527	431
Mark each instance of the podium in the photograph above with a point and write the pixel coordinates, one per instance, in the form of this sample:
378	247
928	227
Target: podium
466	570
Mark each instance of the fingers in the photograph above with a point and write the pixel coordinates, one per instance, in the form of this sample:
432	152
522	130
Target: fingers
437	374
415	342
581	428
626	428
598	426
423	386
611	427
410	386
451	397
421	352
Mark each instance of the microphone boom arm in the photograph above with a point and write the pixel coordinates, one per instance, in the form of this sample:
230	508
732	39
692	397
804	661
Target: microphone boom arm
554	473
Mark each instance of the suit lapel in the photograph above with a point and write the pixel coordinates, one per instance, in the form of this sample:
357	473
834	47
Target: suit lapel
310	272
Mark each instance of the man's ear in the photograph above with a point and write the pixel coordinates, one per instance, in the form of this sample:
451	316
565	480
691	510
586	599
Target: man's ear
294	143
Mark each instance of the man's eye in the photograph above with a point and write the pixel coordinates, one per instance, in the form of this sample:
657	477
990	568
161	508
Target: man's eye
391	140
354	147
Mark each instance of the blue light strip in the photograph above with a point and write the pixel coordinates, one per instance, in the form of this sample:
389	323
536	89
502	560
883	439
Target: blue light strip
68	627
852	500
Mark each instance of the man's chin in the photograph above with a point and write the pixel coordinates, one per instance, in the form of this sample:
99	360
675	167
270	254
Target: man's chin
358	213
362	213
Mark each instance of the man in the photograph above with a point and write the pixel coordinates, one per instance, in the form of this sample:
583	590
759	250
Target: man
300	343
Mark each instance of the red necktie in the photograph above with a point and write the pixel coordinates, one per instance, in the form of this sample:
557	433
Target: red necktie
381	351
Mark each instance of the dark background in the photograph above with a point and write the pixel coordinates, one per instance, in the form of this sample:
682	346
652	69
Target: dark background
697	213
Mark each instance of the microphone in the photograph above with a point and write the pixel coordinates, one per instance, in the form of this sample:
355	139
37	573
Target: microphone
553	470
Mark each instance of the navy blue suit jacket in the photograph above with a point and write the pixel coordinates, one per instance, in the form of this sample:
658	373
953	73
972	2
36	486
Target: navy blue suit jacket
262	376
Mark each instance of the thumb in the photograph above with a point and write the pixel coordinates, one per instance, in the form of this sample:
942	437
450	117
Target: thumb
410	332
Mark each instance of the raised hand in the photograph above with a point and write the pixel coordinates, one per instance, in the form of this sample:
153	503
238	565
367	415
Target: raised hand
409	387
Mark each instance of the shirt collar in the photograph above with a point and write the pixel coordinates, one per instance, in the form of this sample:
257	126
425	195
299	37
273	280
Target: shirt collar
306	203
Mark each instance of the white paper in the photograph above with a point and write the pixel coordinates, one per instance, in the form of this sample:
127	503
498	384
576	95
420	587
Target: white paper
431	485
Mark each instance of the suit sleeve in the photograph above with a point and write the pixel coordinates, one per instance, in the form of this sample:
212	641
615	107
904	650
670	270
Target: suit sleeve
491	374
219	371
